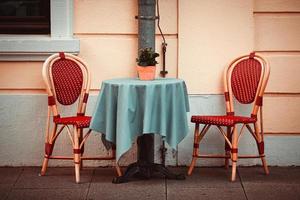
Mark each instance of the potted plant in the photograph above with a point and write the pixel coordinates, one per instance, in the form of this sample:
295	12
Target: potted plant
146	63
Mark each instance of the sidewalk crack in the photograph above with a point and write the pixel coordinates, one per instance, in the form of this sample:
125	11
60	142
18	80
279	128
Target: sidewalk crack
242	184
88	189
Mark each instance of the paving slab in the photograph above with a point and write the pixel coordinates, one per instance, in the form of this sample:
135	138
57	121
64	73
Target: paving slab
4	190
281	183
215	177
60	178
48	194
272	191
193	193
278	175
204	183
103	188
9	175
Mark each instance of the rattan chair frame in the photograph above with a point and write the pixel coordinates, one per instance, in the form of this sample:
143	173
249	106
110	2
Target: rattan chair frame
232	135
77	136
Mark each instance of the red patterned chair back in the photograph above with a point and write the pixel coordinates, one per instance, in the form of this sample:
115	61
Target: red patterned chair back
67	79
246	79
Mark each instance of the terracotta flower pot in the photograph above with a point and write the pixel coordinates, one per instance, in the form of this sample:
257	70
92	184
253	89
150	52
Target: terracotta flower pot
146	73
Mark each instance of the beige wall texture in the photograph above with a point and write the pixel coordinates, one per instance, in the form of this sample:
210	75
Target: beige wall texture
211	34
203	36
277	37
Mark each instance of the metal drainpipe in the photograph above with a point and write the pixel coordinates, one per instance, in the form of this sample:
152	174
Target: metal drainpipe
146	38
146	17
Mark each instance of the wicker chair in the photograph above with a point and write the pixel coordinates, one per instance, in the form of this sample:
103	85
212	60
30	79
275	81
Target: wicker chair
245	79
67	82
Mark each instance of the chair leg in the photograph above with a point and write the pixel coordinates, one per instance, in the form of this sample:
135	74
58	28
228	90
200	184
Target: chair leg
195	149
48	150
226	164
77	168
81	164
263	158
234	153
233	173
119	171
44	166
77	154
82	148
260	146
264	162
261	149
191	168
227	148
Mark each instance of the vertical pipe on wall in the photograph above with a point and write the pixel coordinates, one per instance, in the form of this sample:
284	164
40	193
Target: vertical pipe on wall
146	21
146	38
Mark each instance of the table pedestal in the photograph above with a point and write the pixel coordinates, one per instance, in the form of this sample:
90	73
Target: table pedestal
145	171
145	167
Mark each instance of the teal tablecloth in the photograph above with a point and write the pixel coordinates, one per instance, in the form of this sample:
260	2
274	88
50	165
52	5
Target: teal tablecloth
127	108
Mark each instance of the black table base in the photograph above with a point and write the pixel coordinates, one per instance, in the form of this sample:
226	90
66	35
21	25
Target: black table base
144	170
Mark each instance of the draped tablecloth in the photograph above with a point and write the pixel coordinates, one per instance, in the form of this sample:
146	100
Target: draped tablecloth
127	108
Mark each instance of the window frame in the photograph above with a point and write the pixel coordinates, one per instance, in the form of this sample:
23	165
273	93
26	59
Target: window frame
37	24
16	47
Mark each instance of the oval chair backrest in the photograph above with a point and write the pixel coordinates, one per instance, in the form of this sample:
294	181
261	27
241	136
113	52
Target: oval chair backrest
67	80
246	79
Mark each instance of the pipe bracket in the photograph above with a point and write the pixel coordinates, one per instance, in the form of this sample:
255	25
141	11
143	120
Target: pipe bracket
146	17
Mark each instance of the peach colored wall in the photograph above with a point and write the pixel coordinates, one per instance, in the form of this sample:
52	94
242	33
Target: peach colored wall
277	32
21	75
285	71
281	114
211	34
277	5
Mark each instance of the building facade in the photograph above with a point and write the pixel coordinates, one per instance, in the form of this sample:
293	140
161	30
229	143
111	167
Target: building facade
203	37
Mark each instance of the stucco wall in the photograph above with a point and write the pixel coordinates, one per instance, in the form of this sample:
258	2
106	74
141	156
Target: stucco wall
202	36
211	34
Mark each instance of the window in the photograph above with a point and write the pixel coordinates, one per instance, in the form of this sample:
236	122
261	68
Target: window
25	17
31	47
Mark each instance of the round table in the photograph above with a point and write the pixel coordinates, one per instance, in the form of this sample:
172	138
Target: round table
127	108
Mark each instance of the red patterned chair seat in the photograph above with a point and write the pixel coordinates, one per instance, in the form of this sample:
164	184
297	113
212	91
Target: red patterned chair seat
225	120
79	121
